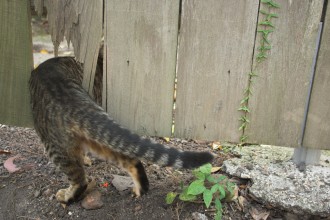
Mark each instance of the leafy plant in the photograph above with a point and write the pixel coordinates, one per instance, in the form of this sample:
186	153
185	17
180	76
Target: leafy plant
266	27
209	187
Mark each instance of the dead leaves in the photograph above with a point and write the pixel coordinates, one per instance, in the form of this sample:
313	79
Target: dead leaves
215	169
259	214
10	166
216	146
167	139
5	152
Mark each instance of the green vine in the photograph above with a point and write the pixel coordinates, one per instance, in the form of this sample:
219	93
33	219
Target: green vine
265	28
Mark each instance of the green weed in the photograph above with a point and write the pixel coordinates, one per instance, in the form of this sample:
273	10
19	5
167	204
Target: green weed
208	187
266	27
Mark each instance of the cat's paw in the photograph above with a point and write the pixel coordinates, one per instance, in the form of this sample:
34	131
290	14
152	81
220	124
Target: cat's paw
61	196
136	192
70	194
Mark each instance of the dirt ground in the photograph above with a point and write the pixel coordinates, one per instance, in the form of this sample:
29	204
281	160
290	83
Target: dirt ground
30	192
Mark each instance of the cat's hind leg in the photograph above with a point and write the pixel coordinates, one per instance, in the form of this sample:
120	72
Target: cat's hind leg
135	169
70	162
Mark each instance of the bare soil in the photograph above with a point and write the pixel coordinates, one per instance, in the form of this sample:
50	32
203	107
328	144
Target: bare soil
30	192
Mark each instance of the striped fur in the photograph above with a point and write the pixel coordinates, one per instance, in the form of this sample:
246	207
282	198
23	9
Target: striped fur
70	123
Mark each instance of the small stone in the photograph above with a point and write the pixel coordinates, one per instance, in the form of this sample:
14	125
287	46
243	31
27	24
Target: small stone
198	216
52	197
291	176
245	176
138	208
47	192
184	141
122	183
69	213
92	200
249	166
37	193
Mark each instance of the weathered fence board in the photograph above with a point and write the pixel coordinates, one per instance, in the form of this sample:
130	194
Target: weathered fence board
16	62
140	43
317	134
80	22
214	58
280	92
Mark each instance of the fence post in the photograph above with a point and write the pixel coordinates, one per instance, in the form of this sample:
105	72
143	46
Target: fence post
16	62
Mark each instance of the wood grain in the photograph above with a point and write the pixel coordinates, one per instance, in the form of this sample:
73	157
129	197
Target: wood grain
80	22
16	62
317	134
215	56
141	42
280	92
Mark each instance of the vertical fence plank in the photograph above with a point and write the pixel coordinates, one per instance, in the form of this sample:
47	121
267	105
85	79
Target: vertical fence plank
215	53
80	22
140	42
318	121
16	62
280	92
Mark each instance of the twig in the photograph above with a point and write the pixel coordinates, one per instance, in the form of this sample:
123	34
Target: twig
27	217
178	208
210	210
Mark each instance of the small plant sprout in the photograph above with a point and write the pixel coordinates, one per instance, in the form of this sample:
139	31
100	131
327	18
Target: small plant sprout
208	187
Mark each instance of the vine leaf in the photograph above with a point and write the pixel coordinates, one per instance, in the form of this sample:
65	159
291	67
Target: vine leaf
244	109
265	45
270	3
266	23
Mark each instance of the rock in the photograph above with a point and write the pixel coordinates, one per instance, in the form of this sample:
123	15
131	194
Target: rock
37	193
92	200
137	208
122	183
47	192
198	216
284	185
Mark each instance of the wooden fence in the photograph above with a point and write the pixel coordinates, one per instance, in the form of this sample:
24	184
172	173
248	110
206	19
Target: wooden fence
209	46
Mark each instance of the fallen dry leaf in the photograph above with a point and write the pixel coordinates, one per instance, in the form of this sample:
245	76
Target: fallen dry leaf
243	186
215	169
87	161
5	152
167	139
232	197
201	142
242	202
10	166
259	214
216	146
43	51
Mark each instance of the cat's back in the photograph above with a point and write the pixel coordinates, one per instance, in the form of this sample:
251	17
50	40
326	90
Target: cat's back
56	94
56	71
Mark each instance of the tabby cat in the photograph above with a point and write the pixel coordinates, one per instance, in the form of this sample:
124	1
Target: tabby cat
70	123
